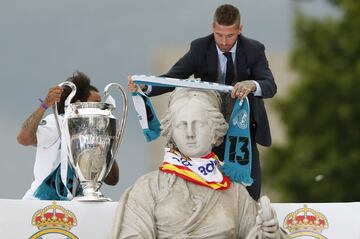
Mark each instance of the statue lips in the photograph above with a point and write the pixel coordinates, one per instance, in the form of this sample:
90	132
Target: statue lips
191	144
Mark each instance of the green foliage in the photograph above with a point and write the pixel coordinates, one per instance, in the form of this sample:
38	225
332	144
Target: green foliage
321	113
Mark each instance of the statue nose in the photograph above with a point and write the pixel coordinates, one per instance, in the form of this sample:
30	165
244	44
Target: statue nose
190	131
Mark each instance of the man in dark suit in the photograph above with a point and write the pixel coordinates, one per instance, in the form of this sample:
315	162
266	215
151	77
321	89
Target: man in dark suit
228	57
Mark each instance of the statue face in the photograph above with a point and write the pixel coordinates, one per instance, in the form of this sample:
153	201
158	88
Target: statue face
191	132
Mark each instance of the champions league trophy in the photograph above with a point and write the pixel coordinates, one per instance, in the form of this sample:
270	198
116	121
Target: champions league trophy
92	135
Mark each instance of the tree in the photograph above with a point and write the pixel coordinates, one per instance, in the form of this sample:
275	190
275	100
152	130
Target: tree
321	158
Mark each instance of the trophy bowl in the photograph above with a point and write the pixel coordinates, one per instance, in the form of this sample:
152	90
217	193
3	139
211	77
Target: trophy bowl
92	135
92	144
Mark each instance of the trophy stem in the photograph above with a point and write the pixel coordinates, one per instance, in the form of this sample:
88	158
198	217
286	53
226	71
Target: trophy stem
91	193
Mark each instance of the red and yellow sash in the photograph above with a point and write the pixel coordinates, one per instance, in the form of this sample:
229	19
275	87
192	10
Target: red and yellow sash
202	171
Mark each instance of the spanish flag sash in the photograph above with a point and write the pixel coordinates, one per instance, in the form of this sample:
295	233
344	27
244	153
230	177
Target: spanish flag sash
202	171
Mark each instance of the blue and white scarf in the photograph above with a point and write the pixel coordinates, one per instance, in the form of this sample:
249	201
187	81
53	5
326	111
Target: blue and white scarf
238	154
146	115
53	188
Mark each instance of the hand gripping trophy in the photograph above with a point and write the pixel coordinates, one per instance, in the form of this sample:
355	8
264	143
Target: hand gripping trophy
92	135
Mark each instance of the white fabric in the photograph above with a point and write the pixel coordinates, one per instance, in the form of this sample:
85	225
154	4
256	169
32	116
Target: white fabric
205	168
140	109
47	153
162	205
64	160
188	83
110	100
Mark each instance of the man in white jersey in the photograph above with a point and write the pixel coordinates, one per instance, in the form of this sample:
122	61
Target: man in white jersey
42	133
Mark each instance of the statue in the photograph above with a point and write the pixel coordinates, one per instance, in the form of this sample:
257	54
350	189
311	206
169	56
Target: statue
188	197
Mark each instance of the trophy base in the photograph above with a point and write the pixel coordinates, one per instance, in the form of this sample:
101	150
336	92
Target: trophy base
91	198
91	195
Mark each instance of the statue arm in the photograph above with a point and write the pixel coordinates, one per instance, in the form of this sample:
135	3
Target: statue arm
267	224
134	217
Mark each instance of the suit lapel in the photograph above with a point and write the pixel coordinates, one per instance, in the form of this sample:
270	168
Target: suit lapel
241	62
212	62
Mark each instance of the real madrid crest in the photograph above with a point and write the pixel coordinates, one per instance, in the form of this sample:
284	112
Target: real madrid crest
242	119
306	222
54	221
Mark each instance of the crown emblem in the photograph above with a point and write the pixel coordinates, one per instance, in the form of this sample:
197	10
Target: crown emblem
305	219
54	216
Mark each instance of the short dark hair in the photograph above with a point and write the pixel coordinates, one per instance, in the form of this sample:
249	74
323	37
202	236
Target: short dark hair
93	88
83	88
227	15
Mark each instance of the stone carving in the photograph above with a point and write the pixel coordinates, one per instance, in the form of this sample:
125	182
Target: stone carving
163	205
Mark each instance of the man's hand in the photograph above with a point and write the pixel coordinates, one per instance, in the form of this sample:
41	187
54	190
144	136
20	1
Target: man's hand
132	87
53	96
243	88
27	134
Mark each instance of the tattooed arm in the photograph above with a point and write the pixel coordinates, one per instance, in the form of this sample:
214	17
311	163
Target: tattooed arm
27	134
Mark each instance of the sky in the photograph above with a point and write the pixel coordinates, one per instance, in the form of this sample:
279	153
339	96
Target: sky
43	42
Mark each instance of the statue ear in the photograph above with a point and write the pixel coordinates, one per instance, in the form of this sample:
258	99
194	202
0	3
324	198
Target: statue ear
171	143
213	136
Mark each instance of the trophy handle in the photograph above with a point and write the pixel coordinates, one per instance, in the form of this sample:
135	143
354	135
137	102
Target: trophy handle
67	102
122	121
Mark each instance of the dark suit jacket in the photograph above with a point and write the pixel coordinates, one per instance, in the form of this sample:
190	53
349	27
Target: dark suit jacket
251	64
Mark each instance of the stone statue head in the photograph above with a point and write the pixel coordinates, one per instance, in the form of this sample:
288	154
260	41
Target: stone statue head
193	122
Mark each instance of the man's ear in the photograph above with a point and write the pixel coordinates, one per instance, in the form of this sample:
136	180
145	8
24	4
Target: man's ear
241	27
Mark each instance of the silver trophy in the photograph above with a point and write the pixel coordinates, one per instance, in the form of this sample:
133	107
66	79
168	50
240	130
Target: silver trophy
93	135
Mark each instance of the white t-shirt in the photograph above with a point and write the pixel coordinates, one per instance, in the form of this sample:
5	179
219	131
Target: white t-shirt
47	152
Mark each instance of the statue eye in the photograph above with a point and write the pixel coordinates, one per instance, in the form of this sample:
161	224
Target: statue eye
200	123
181	125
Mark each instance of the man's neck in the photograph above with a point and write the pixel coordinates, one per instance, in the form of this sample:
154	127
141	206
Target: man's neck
232	49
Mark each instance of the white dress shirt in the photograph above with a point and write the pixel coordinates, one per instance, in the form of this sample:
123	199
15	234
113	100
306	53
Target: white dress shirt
222	62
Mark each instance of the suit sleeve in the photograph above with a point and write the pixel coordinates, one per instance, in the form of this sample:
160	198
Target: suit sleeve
262	74
182	69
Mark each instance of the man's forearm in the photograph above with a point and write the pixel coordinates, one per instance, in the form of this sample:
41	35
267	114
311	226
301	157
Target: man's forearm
28	130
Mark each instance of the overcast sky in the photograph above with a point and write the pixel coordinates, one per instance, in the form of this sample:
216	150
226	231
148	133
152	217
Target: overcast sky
43	42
